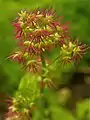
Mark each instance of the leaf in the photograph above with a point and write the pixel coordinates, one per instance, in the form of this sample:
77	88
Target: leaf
83	109
60	113
27	92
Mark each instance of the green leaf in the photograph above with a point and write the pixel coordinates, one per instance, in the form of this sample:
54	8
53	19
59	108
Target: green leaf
59	113
83	109
28	92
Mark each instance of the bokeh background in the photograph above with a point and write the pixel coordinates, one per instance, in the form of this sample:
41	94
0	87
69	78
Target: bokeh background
77	13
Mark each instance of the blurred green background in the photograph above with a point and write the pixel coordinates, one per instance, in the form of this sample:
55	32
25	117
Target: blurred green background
76	12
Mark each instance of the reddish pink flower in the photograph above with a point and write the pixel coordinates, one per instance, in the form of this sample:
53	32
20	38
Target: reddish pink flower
18	30
34	66
17	56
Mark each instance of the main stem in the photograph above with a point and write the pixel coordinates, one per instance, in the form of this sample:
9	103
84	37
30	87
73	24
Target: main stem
43	65
43	61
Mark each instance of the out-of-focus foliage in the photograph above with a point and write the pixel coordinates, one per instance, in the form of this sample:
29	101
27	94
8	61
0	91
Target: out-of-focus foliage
77	12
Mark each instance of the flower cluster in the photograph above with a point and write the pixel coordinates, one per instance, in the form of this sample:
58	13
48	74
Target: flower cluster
15	111
72	51
18	115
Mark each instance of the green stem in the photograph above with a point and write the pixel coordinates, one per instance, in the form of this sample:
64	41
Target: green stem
43	61
43	65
